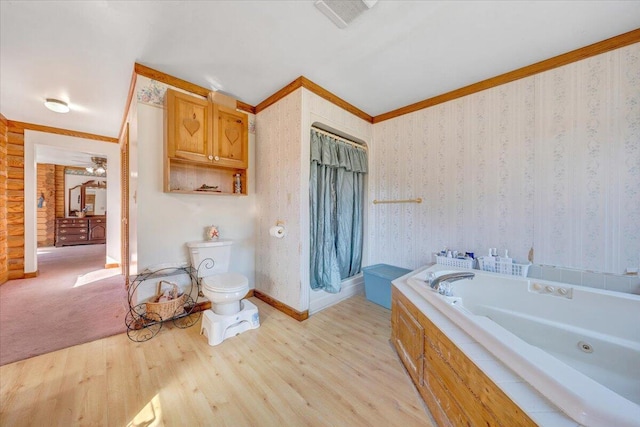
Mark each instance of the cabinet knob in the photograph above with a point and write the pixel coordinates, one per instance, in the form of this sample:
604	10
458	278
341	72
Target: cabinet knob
210	157
217	158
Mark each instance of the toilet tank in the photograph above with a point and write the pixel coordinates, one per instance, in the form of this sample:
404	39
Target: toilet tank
210	256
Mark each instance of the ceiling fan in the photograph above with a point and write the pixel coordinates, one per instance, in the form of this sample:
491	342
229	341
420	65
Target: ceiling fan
99	167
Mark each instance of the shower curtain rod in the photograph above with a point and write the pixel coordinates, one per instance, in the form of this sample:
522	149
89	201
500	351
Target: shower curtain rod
333	135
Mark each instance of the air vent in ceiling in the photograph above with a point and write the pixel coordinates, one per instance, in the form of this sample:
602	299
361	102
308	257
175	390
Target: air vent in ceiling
343	12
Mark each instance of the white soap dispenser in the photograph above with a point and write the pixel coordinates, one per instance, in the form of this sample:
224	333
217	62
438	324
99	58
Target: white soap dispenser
505	263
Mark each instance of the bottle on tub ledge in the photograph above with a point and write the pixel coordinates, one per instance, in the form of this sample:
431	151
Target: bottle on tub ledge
505	263
448	253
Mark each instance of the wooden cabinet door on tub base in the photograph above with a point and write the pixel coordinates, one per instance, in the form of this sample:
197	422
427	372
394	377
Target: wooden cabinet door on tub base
456	391
407	336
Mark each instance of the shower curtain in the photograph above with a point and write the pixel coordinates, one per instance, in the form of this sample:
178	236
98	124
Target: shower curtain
336	188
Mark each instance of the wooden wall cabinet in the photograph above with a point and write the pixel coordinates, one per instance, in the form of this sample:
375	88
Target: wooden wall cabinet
206	145
188	129
231	137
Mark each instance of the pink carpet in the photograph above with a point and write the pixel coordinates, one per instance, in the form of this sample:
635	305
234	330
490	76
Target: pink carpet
73	300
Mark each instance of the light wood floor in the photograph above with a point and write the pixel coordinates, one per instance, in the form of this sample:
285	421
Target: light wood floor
335	369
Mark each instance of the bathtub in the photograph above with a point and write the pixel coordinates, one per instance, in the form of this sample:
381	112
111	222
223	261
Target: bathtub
579	347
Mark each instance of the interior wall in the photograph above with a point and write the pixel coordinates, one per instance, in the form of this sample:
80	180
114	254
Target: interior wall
549	162
282	265
132	219
278	129
4	276
60	193
46	211
16	245
164	222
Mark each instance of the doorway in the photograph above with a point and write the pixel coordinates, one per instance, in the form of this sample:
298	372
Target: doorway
42	147
92	299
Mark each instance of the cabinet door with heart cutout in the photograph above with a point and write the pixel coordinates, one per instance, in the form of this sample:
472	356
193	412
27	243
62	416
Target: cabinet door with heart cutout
188	127
230	143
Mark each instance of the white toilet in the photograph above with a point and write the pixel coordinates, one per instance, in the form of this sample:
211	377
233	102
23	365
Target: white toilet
229	314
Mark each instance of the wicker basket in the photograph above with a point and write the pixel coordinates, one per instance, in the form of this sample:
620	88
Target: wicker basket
166	309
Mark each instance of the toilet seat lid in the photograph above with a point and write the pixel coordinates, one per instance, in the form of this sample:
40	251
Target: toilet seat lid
225	282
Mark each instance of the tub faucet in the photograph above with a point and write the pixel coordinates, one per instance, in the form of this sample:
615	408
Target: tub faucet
451	277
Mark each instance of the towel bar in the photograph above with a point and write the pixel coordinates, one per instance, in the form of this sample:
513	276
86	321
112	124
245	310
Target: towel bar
418	200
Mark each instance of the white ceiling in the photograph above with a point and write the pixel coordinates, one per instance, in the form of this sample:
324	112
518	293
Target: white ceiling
60	156
395	54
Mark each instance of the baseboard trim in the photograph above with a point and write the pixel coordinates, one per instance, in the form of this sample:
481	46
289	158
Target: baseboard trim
206	305
32	274
320	300
202	306
112	265
298	315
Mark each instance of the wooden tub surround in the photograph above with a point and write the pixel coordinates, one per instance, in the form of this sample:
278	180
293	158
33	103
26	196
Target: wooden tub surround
457	392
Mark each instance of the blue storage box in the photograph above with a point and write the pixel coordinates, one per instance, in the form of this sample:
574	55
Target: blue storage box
377	282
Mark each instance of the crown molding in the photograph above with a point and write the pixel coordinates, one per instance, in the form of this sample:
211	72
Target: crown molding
594	49
318	90
183	84
21	127
143	70
127	105
170	80
277	96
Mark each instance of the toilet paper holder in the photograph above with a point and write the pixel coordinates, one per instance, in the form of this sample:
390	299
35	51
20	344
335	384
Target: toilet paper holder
278	230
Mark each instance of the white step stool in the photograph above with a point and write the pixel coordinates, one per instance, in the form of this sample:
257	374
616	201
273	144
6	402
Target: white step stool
218	328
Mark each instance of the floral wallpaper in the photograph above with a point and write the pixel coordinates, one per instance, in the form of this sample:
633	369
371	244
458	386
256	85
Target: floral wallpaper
282	189
152	93
83	172
550	162
277	199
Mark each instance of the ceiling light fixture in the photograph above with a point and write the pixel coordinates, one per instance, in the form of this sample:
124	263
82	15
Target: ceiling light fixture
100	167
56	105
